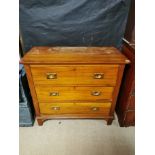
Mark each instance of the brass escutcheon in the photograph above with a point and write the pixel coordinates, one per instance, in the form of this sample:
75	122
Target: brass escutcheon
51	75
98	75
95	93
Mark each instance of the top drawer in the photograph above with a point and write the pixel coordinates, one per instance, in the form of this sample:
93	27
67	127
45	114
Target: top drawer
75	75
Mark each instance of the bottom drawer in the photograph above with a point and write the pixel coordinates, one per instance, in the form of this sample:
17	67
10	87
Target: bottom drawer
75	108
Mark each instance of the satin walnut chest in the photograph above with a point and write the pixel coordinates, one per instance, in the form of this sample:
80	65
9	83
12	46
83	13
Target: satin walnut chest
74	82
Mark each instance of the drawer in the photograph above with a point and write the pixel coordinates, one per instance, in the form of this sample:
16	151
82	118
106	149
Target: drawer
46	93
75	75
75	108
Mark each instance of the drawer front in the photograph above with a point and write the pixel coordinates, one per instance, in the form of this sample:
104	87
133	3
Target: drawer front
47	93
75	75
75	108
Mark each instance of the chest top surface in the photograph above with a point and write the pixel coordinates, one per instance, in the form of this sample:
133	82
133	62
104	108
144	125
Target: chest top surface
74	55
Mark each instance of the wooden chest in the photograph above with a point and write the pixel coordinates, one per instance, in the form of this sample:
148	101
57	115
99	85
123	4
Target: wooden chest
74	82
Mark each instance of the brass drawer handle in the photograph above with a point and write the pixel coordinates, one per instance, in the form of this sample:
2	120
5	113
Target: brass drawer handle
54	94
95	108
55	108
95	93
51	75
98	75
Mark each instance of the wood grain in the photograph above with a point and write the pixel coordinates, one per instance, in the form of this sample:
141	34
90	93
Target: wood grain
117	87
75	108
74	55
75	75
32	89
73	69
73	93
74	116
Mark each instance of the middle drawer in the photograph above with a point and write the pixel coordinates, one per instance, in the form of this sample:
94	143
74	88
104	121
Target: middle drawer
46	93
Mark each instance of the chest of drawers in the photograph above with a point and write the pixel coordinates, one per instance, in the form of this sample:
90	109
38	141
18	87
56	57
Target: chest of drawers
74	82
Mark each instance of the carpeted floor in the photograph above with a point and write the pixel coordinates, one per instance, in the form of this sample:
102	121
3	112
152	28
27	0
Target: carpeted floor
76	137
